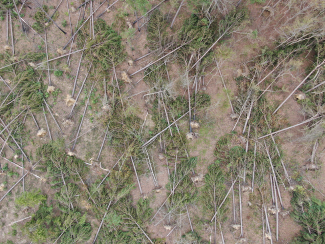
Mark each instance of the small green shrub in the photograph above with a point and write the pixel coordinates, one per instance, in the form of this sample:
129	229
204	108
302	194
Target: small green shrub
30	199
139	5
310	214
58	73
257	1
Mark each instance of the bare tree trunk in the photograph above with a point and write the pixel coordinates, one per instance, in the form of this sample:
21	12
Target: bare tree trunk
263	224
17	165
273	69
5	128
276	213
171	231
5	141
222	238
136	174
106	10
7	37
268	225
233	204
297	87
13	186
19	147
22	171
272	189
290	127
169	197
66	189
189	219
248	116
147	66
101	147
62	56
224	200
215	210
189	102
118	86
19	220
17	183
86	22
109	172
55	9
47	59
226	31
83	83
47	125
149	12
322	83
224	85
151	169
85	187
241	112
12	35
179	8
276	148
154	137
83	116
49	17
170	130
77	73
253	177
5	83
240	211
49	109
246	151
277	189
101	223
11	90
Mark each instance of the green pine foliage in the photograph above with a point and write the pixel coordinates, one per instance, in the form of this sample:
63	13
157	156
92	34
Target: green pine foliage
40	18
156	76
55	161
63	218
234	158
176	107
125	129
192	237
67	195
310	214
119	185
109	52
198	5
46	226
41	227
77	229
122	223
157	36
201	33
8	4
30	199
185	191
314	101
213	192
273	56
32	90
33	56
231	20
142	6
197	31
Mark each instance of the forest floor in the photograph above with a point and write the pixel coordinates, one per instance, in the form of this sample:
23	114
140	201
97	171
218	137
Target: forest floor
234	53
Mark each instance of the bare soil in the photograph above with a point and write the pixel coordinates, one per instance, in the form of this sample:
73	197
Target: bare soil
238	49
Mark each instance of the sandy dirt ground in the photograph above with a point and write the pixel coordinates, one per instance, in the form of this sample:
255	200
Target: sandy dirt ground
235	51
